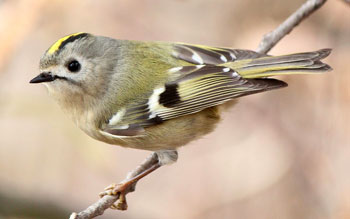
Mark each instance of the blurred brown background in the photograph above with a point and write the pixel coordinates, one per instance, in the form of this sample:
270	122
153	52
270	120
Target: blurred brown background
281	154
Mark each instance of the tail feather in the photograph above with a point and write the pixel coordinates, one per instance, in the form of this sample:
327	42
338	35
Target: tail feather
300	63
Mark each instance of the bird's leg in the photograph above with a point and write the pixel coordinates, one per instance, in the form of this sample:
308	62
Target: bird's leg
129	183
153	162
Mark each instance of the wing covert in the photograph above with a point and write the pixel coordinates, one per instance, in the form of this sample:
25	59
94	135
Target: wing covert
200	87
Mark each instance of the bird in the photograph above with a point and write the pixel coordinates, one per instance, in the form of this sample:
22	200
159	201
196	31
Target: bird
158	96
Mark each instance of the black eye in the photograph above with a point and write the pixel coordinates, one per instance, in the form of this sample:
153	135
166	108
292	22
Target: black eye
74	66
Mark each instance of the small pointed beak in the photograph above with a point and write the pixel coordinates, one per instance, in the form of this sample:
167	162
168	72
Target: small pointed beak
43	77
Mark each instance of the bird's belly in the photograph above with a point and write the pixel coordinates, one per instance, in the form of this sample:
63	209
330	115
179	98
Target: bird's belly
170	134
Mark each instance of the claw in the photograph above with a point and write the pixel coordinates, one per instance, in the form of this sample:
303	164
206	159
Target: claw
104	193
111	186
114	206
111	190
121	203
128	185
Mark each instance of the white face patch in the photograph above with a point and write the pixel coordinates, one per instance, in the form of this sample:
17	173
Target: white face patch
117	117
47	85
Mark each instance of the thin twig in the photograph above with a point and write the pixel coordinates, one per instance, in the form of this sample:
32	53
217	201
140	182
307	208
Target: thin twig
347	1
107	201
267	43
272	38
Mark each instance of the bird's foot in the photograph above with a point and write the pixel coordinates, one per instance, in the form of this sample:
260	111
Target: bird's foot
120	189
152	163
123	188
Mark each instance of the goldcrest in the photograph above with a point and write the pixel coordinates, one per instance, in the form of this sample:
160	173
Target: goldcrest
158	96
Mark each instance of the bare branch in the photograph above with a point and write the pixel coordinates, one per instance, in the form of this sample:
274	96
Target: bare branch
267	43
272	38
107	201
347	1
97	208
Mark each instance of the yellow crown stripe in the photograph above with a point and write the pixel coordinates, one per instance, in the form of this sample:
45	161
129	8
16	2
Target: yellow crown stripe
55	47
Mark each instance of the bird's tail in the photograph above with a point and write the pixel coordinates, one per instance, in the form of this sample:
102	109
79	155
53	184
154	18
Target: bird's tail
299	63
